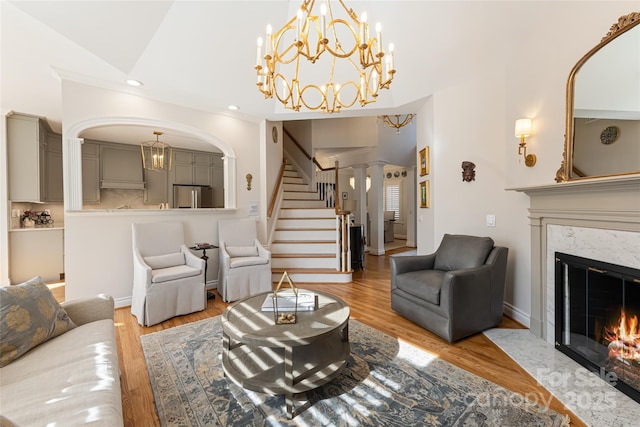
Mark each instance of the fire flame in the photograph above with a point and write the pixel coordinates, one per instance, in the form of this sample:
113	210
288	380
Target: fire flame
624	339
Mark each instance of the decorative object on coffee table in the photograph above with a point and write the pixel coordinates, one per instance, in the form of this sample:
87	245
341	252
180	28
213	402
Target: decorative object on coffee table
285	314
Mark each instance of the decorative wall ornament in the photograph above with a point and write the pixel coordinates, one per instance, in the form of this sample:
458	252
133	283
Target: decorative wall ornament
468	171
249	178
610	135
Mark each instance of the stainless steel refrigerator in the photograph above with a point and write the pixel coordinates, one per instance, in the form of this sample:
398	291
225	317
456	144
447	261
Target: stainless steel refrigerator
192	196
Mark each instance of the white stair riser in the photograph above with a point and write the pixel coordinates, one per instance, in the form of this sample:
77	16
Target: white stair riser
304	235
292	180
295	187
290	173
303	248
307	195
315	278
304	262
306	223
308	213
303	204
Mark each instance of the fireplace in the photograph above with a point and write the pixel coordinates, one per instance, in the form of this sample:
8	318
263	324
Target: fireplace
597	306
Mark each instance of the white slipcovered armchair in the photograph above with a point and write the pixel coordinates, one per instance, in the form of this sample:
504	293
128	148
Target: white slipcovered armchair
168	280
245	265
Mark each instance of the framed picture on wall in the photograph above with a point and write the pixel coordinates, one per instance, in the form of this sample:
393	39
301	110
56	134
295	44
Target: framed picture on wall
424	194
424	161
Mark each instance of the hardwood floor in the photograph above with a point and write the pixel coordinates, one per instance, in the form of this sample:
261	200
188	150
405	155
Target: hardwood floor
369	300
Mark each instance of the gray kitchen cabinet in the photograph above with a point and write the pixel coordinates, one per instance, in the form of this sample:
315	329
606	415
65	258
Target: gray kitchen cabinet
121	167
90	172
28	176
53	169
191	168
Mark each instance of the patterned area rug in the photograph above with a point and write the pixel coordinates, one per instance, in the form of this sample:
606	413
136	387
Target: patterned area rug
386	383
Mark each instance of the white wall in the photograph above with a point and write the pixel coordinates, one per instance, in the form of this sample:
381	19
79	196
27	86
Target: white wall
425	217
467	128
98	244
474	120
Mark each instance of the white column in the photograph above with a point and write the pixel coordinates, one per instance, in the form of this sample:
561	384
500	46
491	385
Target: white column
229	182
376	208
360	195
72	173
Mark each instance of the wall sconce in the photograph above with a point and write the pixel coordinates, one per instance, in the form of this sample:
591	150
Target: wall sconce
523	129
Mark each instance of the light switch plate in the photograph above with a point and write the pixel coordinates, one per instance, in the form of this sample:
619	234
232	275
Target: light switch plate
491	220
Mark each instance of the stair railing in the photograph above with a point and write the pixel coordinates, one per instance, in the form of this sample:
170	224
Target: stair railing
276	190
343	225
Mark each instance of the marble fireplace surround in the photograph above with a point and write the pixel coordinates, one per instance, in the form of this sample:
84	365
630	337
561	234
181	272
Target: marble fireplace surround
596	218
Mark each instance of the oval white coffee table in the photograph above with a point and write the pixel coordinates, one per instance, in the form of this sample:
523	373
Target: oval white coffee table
285	359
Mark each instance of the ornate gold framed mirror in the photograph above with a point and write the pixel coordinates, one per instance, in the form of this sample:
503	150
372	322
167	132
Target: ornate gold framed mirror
602	136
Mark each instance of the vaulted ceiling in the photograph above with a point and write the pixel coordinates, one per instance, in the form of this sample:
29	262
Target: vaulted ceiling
200	54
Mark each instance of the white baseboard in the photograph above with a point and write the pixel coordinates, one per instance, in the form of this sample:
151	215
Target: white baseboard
516	314
123	302
376	252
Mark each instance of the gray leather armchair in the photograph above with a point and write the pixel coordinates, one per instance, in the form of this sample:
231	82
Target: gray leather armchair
455	292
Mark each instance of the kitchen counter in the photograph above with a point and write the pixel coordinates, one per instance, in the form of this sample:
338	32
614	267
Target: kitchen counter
36	229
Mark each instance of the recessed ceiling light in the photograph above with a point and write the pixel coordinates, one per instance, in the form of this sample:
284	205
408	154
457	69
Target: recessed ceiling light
233	107
134	83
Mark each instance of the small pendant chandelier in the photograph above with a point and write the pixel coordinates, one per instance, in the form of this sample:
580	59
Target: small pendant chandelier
156	155
396	121
335	41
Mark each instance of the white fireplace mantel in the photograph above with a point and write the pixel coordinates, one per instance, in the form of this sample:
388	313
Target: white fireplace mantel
611	203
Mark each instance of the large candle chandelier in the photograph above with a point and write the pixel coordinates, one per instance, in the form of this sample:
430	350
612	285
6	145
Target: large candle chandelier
353	55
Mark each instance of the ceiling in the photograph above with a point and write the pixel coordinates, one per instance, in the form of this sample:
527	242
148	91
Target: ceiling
200	54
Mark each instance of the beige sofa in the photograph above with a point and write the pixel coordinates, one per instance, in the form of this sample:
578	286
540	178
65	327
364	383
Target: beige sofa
70	380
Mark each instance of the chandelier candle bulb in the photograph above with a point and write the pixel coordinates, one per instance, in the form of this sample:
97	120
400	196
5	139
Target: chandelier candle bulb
323	21
363	23
391	58
269	31
299	26
259	54
379	36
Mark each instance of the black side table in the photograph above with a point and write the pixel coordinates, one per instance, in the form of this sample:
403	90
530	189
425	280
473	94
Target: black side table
203	248
357	246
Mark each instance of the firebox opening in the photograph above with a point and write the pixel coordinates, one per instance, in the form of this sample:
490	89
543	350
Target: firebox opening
596	318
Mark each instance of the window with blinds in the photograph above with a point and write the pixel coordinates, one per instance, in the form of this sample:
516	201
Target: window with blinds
392	199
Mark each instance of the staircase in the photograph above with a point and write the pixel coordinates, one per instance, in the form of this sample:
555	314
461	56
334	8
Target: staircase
305	239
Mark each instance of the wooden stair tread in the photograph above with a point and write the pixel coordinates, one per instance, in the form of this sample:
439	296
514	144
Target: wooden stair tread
306	229
288	255
306	242
300	191
308	270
